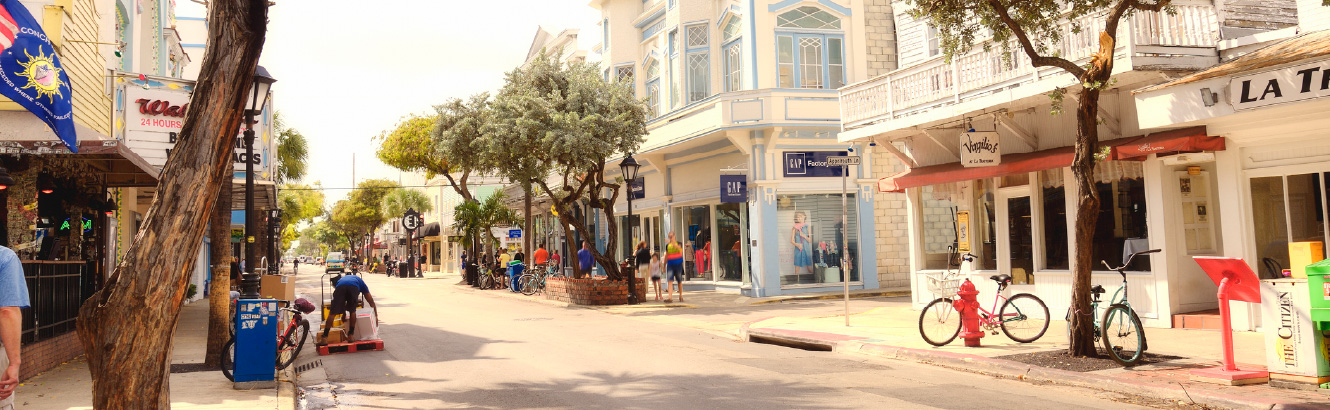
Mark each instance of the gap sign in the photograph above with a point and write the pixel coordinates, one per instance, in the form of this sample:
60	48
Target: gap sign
733	188
800	164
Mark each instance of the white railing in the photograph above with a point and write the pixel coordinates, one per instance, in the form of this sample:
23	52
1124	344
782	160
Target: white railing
937	81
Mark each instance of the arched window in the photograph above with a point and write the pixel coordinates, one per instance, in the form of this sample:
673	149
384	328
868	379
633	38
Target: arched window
807	54
652	70
733	52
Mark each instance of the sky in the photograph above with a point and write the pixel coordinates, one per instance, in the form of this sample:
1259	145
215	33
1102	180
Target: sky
349	70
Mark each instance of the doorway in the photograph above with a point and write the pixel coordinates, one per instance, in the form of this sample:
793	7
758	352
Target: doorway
1016	253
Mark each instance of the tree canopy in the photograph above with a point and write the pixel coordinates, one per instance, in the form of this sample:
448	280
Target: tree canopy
292	152
397	201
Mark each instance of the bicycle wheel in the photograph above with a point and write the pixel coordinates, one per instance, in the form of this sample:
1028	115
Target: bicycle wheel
529	283
486	282
1024	318
229	358
939	323
289	348
1123	336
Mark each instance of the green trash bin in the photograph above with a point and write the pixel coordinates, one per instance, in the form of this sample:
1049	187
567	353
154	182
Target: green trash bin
1318	283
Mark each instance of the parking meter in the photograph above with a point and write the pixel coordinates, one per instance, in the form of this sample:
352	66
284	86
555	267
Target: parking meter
256	341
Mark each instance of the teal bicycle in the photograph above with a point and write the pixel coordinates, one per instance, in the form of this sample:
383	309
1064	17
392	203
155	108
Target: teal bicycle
1119	330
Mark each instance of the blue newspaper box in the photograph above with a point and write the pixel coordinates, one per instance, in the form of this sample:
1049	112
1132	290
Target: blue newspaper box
256	340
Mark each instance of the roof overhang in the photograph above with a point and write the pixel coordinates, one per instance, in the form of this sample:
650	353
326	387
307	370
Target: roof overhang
120	165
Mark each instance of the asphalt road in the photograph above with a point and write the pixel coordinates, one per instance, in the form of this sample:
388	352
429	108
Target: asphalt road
452	347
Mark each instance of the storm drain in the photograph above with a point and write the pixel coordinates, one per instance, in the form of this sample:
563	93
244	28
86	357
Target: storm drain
797	344
309	366
191	368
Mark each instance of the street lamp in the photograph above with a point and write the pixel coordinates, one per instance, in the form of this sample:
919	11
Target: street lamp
249	283
629	167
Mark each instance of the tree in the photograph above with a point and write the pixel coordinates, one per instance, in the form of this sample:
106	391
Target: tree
397	201
299	204
567	122
477	219
126	327
292	152
1035	26
438	145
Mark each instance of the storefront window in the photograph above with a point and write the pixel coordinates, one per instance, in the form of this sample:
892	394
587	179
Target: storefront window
939	220
1287	209
1054	219
729	234
695	223
812	237
1121	188
984	239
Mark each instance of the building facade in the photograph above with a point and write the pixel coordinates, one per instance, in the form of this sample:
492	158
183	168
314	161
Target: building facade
980	157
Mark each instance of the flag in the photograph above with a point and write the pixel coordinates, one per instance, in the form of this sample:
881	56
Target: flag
31	74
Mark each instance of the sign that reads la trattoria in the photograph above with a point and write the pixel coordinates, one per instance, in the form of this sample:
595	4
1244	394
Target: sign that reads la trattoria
1296	83
980	149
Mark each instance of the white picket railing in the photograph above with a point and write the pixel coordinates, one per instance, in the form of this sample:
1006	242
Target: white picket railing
936	81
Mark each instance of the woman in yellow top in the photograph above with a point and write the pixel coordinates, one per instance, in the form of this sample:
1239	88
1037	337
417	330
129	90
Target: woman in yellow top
674	265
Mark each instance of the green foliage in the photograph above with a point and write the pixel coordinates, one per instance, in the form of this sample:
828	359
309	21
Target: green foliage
299	203
193	290
397	201
478	218
460	134
411	147
292	152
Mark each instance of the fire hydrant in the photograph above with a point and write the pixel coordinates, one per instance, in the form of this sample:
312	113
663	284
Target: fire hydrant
968	306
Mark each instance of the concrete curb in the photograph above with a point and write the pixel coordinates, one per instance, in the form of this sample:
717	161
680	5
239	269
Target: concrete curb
286	389
860	295
1028	373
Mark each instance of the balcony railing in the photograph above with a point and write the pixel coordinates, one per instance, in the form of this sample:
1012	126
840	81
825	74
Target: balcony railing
935	82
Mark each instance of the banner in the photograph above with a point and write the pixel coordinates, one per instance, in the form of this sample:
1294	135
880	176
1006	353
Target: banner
31	74
733	188
638	189
800	164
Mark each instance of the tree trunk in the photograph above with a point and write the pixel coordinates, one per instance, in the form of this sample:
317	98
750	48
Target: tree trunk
219	290
526	226
1087	214
126	328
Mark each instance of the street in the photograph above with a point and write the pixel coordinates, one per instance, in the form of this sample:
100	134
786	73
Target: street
451	346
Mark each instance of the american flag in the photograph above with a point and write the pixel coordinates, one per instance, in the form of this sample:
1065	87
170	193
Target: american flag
8	29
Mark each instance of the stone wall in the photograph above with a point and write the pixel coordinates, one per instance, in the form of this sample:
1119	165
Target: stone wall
893	232
881	31
590	291
45	355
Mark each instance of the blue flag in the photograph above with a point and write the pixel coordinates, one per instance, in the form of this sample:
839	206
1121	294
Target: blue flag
30	72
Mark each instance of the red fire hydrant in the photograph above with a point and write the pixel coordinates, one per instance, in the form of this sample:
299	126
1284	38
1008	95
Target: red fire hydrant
968	306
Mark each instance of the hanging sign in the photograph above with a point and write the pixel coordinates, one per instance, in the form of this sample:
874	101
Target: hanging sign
1296	83
638	188
411	220
799	164
962	231
733	188
980	149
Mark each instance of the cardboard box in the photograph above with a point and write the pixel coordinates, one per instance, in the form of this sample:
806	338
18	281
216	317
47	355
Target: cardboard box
280	287
1301	254
366	328
335	335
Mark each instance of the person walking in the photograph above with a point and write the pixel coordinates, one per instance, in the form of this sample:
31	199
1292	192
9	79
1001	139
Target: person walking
13	298
655	273
295	266
584	259
674	265
643	259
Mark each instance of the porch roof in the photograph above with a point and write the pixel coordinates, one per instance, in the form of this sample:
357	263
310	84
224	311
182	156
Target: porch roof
1302	47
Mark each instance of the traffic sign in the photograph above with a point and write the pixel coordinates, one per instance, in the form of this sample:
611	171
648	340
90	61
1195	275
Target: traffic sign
411	220
514	233
843	160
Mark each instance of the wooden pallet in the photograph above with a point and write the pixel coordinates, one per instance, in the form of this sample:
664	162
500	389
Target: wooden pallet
360	346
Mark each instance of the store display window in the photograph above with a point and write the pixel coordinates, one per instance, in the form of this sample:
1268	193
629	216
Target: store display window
812	237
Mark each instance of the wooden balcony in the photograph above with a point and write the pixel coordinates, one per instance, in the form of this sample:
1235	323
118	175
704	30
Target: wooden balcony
1183	40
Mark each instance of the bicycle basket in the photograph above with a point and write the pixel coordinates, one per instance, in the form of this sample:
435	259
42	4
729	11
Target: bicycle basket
304	306
943	285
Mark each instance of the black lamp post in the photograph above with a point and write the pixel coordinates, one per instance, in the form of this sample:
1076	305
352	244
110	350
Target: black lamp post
249	283
629	167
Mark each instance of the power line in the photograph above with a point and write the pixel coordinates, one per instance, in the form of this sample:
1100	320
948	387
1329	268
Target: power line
389	187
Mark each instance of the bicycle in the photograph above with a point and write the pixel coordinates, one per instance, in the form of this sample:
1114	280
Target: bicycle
1020	316
491	280
289	341
1119	330
533	281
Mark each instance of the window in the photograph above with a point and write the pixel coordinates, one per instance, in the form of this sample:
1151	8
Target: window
673	57
983	240
1121	187
1285	209
624	74
695	226
810	61
733	50
939	223
812	237
697	63
808	17
605	35
653	87
1054	219
934	41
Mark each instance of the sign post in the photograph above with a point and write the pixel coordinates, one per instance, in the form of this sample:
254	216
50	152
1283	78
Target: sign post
1236	282
411	221
844	162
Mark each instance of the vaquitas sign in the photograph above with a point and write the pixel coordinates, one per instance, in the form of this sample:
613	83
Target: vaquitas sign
980	149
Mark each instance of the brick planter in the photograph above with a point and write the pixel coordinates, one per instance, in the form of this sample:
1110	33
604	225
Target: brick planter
590	291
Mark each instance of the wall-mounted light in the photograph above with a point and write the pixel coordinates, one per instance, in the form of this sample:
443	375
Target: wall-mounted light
1210	98
45	184
1193	170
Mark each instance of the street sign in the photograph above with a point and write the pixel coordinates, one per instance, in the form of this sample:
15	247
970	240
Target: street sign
411	220
514	233
840	161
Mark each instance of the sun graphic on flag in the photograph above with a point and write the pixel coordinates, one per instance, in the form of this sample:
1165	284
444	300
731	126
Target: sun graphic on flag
42	74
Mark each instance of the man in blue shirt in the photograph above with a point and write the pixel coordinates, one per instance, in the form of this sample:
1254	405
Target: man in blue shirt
344	300
584	258
13	297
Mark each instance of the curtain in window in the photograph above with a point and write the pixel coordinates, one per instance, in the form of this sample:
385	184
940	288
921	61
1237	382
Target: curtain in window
1109	171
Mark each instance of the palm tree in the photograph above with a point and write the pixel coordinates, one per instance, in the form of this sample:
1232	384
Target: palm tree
401	199
292	152
474	219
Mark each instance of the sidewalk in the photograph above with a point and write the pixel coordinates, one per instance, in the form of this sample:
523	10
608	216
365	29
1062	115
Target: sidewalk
70	387
892	332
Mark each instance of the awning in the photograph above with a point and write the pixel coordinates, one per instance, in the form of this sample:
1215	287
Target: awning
265	194
1169	142
121	166
1011	164
430	229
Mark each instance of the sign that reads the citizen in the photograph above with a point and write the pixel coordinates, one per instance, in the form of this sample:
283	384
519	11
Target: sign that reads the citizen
1296	83
980	149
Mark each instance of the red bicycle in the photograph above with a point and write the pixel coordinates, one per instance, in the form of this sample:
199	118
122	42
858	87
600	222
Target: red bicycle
1023	317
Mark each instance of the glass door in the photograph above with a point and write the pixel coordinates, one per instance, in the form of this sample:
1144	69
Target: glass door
730	237
1016	252
695	224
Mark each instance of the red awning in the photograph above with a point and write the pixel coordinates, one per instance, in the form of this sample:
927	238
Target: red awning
1168	142
1011	164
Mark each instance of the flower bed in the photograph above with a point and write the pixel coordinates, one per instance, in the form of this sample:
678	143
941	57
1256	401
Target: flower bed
590	291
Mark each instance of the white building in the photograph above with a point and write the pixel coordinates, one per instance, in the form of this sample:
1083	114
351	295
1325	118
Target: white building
745	91
1016	214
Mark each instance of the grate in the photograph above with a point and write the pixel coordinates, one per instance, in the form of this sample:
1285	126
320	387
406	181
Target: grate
191	367
308	366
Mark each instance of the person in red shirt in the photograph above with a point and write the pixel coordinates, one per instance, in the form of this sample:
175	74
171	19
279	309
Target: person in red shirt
541	255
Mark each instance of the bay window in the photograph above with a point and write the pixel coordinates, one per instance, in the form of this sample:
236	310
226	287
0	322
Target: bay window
807	56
